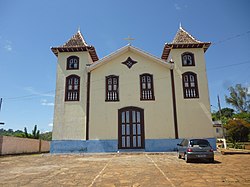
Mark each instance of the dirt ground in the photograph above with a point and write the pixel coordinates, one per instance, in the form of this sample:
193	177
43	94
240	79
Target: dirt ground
143	169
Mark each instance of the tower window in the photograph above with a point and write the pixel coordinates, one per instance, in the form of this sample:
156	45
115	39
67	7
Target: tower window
147	87
190	85
112	88
187	59
72	63
72	90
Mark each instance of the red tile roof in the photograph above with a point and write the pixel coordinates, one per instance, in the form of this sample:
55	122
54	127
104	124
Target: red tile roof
74	44
183	39
76	41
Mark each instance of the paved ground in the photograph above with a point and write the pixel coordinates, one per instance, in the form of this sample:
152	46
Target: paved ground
123	170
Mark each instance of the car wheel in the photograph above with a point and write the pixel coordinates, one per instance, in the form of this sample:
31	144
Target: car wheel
186	158
178	155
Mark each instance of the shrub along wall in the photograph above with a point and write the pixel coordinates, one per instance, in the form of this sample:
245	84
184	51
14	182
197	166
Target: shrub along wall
14	145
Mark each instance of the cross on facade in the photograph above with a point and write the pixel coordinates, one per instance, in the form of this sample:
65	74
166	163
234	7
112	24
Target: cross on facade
129	39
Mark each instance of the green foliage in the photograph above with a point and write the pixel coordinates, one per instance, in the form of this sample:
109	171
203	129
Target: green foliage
26	134
10	132
236	145
18	133
237	130
244	115
225	112
226	115
46	136
239	98
35	133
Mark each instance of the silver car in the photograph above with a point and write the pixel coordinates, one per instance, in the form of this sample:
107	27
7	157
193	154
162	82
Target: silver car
193	149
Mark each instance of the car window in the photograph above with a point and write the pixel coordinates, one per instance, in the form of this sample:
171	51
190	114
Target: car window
200	143
182	142
185	143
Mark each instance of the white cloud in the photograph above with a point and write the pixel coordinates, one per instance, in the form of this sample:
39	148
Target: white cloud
180	7
8	45
44	102
177	6
50	124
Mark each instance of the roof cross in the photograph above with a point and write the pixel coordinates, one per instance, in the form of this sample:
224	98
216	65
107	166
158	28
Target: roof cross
129	39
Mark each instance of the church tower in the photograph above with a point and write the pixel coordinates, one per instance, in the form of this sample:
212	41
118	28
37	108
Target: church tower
191	96
70	113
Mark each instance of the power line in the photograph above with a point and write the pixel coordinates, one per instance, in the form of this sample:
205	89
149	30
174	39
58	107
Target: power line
29	96
229	65
232	37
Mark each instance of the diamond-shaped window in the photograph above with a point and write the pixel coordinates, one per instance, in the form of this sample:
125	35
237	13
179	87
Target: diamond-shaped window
129	62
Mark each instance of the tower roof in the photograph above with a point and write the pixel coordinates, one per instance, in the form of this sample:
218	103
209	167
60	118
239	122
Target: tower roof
76	41
183	39
75	44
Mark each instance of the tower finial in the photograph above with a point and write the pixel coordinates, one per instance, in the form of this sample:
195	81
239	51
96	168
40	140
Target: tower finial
78	29
180	26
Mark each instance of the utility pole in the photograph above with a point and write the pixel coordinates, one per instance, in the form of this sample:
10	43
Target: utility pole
1	101
223	134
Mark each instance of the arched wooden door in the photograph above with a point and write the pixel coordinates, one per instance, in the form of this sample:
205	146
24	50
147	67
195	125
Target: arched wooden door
131	128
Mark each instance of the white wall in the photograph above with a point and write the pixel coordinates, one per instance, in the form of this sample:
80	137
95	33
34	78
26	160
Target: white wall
158	114
70	116
194	118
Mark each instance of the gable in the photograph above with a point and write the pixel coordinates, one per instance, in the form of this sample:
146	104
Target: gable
121	55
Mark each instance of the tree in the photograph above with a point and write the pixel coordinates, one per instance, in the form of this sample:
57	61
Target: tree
26	134
225	112
239	98
237	130
244	115
46	136
35	133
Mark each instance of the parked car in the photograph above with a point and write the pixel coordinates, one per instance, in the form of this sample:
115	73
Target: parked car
193	149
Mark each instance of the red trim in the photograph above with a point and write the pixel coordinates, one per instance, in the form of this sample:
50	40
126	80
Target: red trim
90	49
167	48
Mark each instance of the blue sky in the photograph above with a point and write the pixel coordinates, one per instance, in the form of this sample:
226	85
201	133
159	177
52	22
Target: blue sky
29	28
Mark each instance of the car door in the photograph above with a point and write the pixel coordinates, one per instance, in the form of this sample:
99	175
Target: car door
182	147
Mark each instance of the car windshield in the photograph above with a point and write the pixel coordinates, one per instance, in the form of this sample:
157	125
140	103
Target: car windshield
200	143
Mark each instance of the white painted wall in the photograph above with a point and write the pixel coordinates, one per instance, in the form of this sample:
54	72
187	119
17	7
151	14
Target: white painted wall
194	118
157	114
70	117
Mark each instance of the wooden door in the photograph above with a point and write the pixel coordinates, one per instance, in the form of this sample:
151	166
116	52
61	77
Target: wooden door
131	128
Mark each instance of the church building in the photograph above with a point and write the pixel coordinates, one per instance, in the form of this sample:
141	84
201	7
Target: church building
130	100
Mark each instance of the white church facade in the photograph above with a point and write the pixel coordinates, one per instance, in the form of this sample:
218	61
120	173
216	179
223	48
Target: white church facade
130	99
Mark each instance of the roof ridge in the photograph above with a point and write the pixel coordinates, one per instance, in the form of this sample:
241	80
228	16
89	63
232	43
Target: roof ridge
77	40
182	36
190	35
85	43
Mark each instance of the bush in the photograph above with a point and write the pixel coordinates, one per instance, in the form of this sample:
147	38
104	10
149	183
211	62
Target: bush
238	130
